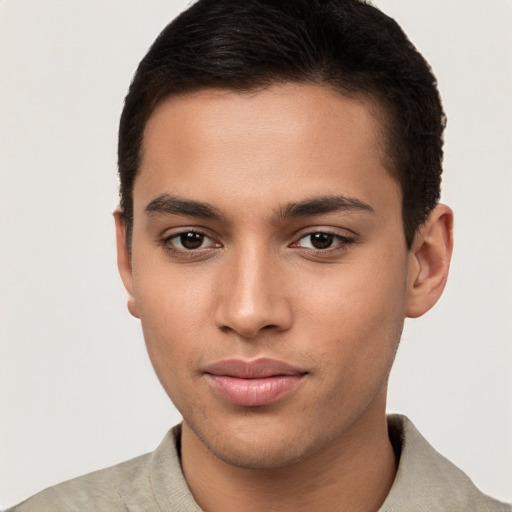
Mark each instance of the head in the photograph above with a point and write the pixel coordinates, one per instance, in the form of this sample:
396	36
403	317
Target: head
345	45
280	166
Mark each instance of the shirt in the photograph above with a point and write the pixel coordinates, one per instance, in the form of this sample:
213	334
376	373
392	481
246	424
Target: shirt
425	481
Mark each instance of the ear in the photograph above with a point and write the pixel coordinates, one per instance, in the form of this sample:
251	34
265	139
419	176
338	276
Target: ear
124	263
429	263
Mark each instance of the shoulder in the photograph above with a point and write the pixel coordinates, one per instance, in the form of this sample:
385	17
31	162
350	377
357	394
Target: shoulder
100	490
426	480
135	485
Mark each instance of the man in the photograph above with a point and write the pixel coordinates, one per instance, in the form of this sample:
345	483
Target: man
280	167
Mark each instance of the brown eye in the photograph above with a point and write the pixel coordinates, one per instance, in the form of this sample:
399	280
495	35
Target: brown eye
191	240
324	241
321	240
189	243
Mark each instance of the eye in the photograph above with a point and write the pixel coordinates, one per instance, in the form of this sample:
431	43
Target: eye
190	240
321	241
187	241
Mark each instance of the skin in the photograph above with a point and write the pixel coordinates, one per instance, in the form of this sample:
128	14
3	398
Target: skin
258	288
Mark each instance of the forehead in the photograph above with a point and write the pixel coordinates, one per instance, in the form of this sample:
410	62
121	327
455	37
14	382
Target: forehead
295	138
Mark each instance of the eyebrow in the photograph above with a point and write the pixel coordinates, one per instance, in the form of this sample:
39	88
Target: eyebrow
324	204
173	205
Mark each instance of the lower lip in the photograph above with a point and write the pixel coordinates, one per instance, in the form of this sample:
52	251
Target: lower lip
253	392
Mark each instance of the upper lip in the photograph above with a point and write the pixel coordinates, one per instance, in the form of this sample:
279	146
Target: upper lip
255	369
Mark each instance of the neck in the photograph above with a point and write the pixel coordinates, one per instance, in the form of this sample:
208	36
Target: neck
354	472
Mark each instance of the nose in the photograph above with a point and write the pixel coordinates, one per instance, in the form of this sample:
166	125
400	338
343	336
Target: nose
253	297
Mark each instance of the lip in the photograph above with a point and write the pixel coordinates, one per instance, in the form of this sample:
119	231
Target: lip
253	383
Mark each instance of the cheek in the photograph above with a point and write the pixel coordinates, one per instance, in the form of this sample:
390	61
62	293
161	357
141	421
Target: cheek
172	341
169	298
358	295
172	311
357	313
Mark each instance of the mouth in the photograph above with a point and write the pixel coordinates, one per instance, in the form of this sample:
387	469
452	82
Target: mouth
253	383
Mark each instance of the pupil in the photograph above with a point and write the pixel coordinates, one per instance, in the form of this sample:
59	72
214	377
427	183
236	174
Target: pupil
321	240
191	240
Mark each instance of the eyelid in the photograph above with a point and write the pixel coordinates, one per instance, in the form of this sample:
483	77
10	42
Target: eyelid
165	241
173	232
344	239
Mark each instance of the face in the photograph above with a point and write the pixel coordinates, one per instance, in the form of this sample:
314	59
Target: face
269	268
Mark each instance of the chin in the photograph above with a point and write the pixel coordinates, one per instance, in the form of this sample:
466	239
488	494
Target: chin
266	447
255	456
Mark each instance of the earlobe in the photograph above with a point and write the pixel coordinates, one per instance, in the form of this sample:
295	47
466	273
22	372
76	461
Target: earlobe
430	261
124	260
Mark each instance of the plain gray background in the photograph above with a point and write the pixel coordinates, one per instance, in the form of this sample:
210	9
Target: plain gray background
77	391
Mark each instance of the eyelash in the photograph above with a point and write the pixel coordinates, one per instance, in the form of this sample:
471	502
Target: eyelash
343	242
166	244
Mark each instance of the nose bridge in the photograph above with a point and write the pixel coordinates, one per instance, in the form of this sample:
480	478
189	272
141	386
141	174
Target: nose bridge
253	298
